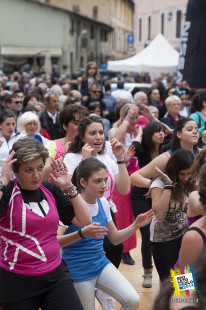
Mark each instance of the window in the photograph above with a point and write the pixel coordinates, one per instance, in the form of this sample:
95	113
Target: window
78	28
72	27
95	12
140	29
178	23
149	28
92	32
75	8
162	23
103	35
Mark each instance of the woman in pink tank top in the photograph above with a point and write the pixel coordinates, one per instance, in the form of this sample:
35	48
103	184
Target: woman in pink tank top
32	275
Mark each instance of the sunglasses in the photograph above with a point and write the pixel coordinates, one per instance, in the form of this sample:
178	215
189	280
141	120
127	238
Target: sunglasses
18	102
96	91
181	92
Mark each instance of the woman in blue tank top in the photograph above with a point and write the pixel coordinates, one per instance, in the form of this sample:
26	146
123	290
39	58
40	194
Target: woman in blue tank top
83	246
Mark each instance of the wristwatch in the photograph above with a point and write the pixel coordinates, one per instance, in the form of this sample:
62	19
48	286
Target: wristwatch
71	191
2	186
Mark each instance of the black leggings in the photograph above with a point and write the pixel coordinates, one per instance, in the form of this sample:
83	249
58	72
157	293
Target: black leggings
113	252
61	296
138	207
165	256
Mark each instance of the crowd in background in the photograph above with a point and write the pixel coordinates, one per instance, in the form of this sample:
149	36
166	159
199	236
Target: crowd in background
153	137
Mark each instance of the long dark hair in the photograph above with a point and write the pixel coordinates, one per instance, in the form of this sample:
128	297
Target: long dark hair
147	142
175	141
202	186
197	102
77	144
196	168
181	159
85	170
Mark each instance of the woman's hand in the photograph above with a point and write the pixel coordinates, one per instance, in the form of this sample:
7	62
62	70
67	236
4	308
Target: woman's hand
134	110
168	130
162	175
117	147
87	151
61	175
6	174
146	111
129	153
94	230
144	219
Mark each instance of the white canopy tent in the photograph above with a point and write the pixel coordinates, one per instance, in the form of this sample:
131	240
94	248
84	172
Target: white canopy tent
158	56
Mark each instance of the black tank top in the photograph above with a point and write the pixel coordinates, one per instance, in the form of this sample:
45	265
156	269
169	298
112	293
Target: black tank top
200	232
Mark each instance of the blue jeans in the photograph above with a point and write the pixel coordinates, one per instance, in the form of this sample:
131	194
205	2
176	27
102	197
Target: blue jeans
112	282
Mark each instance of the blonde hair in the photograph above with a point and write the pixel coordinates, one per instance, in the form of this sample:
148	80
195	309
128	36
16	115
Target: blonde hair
123	113
171	99
26	118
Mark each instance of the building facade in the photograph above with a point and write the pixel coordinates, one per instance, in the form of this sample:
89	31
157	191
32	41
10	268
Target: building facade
29	30
117	13
159	16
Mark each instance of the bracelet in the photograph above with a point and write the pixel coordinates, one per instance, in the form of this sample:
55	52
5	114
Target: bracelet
120	162
119	157
128	117
168	183
70	197
80	234
168	187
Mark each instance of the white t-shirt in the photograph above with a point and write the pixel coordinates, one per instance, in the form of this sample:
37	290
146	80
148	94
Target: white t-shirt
94	208
72	160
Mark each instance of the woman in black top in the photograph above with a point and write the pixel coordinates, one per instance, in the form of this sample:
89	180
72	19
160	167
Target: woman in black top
149	148
32	274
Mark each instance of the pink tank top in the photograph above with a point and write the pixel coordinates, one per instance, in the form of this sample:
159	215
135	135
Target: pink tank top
28	243
60	149
60	152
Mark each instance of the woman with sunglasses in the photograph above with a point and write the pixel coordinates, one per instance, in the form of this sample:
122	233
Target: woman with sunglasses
7	135
185	106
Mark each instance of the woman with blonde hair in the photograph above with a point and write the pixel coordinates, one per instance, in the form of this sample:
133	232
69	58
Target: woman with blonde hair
173	105
125	131
29	124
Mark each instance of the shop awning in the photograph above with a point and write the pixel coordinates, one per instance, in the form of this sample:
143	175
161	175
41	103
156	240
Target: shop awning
20	50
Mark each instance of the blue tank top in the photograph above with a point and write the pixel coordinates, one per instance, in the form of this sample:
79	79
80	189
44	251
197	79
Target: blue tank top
194	153
85	258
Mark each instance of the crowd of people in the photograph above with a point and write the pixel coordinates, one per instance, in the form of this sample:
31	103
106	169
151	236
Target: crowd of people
82	167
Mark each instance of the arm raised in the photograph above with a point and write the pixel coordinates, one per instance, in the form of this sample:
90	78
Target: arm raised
141	178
